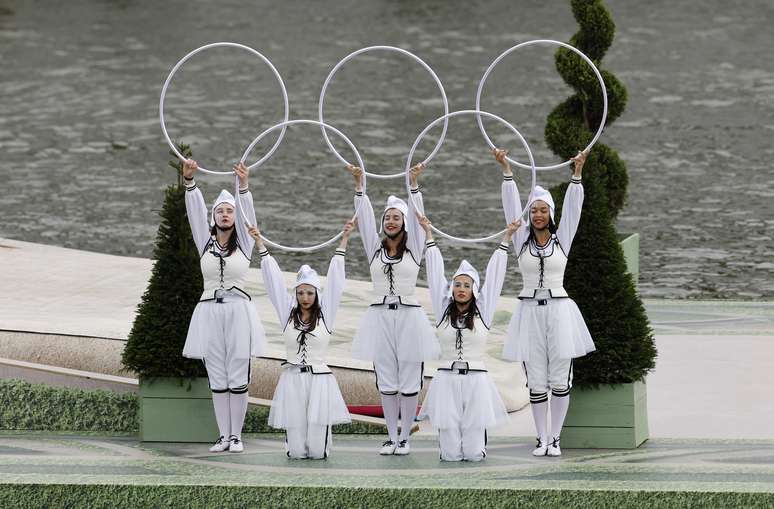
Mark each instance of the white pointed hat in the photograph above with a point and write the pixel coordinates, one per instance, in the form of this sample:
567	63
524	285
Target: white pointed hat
308	276
393	202
541	194
223	197
466	269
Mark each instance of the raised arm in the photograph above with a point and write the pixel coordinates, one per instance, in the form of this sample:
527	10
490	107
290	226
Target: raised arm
244	207
416	208
495	275
337	280
436	277
195	207
366	221
273	280
510	197
572	205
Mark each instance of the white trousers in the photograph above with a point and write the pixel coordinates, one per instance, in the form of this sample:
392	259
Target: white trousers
459	444
545	370
308	440
394	376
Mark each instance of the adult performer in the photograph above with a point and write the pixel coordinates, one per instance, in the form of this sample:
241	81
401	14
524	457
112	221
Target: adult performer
225	330
462	401
547	330
395	334
307	400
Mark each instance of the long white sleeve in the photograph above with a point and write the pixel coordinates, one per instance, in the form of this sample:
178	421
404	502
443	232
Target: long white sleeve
274	283
493	284
366	224
197	217
513	211
416	234
571	213
244	203
436	280
334	288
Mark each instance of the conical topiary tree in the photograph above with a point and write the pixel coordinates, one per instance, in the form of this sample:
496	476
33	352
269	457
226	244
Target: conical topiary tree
155	344
596	275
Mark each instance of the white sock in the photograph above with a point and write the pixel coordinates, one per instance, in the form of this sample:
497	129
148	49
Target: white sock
238	406
222	415
540	414
390	407
559	406
408	411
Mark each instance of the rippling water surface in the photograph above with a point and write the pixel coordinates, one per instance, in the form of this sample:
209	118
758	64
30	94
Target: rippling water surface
84	160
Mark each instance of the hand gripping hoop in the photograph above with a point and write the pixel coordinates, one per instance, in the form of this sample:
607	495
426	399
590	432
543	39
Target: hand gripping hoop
546	42
445	118
324	127
181	62
382	48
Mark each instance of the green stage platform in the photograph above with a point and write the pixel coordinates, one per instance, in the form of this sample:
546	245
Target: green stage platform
38	469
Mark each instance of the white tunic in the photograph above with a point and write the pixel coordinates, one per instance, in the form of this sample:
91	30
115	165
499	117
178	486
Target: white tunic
218	271
305	347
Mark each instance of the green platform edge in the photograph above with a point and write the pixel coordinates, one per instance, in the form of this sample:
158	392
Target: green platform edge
176	410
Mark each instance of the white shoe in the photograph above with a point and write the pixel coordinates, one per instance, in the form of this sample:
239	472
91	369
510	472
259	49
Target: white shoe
541	449
388	448
235	445
403	448
221	445
553	447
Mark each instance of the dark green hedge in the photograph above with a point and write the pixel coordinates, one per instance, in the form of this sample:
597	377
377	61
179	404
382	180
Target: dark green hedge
596	277
27	406
29	496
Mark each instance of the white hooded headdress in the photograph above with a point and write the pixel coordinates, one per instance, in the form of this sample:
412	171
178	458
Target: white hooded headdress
308	276
223	197
393	202
466	269
540	194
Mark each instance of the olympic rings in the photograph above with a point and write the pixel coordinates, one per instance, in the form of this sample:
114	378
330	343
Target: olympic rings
478	116
181	62
385	48
549	42
323	126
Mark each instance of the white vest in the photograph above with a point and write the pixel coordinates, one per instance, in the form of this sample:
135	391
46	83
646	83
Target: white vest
307	348
542	269
463	344
233	270
394	277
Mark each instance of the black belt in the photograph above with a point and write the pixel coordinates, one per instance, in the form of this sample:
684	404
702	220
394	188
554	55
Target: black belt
392	306
542	302
304	368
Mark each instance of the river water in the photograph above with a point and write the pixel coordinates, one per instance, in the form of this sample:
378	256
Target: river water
84	160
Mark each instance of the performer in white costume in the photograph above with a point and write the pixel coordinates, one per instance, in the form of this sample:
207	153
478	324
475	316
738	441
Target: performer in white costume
225	330
546	330
395	334
462	401
307	400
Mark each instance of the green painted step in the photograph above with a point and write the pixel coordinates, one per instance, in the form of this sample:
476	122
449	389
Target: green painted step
176	410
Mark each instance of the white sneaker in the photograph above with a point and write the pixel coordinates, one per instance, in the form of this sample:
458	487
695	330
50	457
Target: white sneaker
403	448
388	448
221	445
553	447
541	449
235	445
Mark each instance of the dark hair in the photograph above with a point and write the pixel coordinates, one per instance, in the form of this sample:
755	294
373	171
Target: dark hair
551	228
295	315
453	313
401	243
232	243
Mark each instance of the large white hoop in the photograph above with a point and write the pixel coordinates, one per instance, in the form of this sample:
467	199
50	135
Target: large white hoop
547	42
478	116
181	62
344	60
324	126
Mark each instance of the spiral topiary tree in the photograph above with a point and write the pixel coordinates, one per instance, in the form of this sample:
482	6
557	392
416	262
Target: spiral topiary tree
155	344
597	277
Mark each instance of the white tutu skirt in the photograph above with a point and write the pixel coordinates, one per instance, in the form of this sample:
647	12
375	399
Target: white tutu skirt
234	322
559	324
405	330
306	397
463	401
